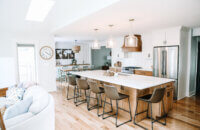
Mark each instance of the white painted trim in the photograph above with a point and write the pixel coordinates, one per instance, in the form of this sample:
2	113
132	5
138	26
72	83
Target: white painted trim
188	67
192	93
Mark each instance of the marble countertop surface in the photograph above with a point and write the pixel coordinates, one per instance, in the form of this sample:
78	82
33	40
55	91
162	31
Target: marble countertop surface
127	80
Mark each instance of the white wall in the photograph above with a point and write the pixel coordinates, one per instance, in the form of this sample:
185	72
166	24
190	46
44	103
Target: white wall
82	56
46	72
7	71
183	63
196	31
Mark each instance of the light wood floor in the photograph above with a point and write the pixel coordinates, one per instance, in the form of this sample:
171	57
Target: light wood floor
184	116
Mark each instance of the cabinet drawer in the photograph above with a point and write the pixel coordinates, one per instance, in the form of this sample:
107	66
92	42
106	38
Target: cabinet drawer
142	72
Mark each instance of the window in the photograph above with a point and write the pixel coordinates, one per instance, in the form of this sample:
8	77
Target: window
26	62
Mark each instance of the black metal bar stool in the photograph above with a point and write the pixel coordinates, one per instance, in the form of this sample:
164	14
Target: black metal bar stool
156	97
98	91
71	79
82	85
112	93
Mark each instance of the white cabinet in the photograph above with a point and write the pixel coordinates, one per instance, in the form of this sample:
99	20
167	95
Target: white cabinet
83	56
158	37
167	37
173	36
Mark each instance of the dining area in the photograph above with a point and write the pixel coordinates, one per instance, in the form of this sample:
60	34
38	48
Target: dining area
123	98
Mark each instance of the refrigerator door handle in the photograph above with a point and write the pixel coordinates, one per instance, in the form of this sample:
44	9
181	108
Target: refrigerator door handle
164	62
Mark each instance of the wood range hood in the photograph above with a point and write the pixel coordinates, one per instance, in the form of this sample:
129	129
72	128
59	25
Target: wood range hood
133	49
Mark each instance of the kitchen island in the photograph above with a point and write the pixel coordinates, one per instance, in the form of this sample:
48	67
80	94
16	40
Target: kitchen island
135	86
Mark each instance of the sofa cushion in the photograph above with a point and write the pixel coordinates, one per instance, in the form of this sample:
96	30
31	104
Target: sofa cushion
18	108
40	98
2	102
15	93
29	84
17	119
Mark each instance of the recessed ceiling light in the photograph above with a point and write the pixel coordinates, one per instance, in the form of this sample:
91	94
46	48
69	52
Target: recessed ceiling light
39	9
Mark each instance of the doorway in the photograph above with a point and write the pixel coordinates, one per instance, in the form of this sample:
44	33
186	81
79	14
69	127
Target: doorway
101	58
198	71
26	62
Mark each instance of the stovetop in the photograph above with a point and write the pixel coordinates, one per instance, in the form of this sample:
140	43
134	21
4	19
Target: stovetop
130	69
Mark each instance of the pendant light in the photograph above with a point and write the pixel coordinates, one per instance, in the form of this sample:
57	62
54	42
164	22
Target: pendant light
76	48
110	42
131	40
96	43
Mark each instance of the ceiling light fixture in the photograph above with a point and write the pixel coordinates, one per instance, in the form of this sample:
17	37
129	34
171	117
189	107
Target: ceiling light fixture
76	48
131	40
39	9
96	43
110	42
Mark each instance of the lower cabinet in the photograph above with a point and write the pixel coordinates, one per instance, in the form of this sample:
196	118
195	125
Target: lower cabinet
142	72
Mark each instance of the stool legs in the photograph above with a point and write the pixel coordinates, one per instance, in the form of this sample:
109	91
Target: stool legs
104	109
152	119
138	114
81	101
130	109
164	112
116	114
68	93
97	95
88	101
98	98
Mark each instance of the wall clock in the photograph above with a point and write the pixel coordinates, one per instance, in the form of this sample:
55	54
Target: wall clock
46	52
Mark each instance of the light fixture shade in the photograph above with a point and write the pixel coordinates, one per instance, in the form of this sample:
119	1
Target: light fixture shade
95	45
110	43
131	41
76	49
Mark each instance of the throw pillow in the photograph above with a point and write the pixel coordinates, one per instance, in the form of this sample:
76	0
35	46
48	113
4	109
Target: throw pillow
29	84
18	108
40	98
14	94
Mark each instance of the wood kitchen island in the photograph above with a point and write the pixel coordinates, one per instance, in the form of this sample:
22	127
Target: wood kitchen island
135	86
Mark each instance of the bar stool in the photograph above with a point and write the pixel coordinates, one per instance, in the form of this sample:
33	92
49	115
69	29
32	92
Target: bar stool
156	97
98	91
71	79
112	93
82	85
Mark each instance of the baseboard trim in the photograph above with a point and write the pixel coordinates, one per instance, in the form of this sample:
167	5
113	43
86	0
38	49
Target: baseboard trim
192	93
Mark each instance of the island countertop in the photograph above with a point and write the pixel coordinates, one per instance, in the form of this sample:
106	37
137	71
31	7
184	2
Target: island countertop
131	81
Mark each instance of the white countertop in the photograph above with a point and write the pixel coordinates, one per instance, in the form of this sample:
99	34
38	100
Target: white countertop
132	81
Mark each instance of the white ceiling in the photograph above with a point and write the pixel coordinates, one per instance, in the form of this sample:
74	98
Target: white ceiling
76	19
13	13
148	14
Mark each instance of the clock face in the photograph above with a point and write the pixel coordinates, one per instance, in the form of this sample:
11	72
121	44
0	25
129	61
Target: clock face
46	52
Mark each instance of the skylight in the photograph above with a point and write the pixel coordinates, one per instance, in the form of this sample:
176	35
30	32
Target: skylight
39	9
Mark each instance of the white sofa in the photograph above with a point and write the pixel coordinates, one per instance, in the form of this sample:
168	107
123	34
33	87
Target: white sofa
39	117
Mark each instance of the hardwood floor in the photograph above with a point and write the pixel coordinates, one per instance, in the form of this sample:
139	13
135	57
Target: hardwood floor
184	116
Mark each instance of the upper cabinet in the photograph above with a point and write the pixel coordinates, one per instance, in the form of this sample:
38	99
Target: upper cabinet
133	49
83	56
167	37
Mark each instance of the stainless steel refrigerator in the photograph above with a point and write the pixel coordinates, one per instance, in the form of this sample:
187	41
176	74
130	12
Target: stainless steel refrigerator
165	64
